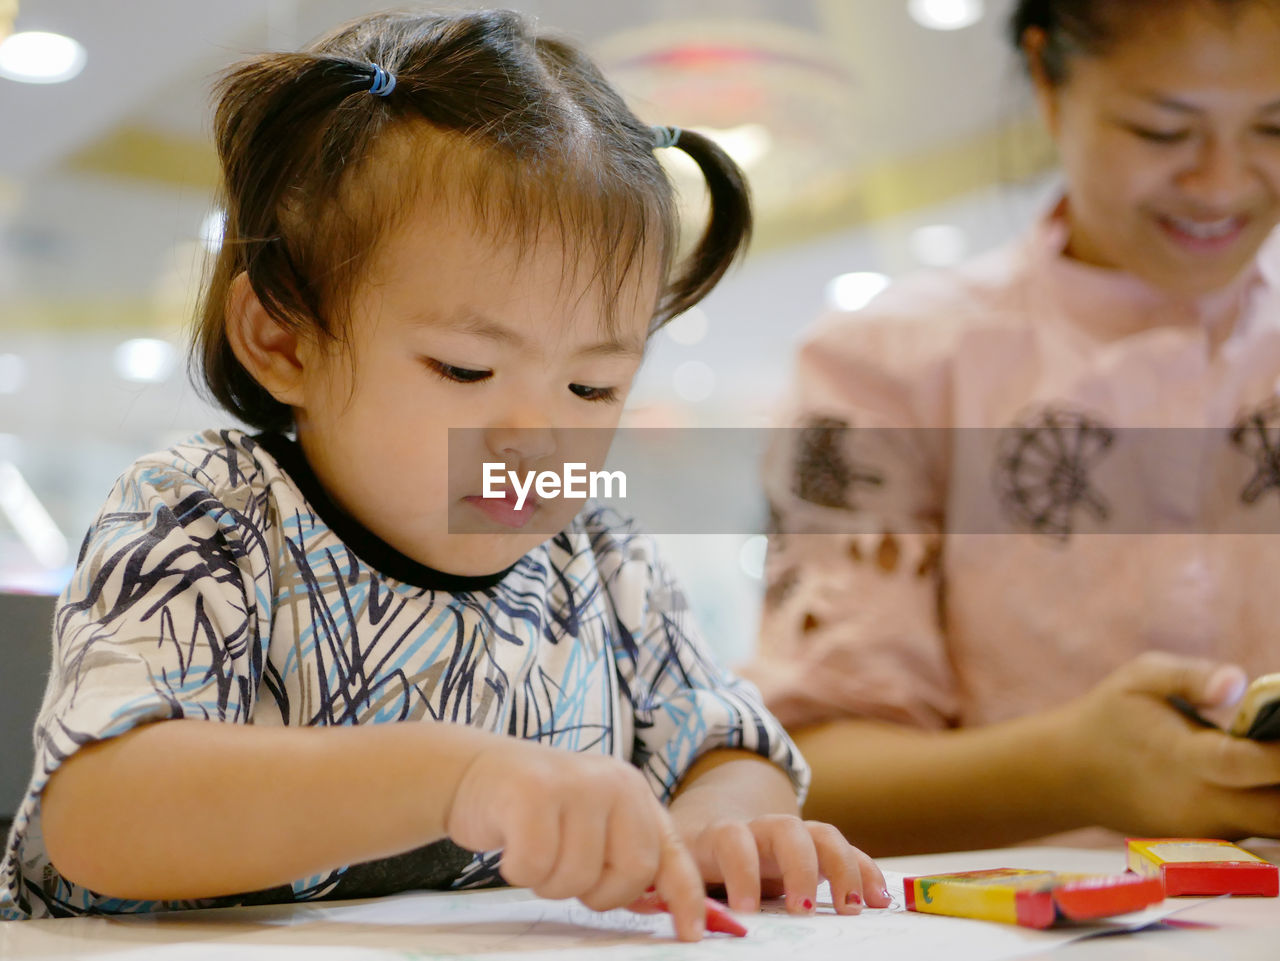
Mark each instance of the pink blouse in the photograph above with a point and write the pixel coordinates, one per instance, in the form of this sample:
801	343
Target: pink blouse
978	575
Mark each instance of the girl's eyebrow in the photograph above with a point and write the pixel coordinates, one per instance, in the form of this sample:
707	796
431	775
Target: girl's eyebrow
477	325
480	325
610	348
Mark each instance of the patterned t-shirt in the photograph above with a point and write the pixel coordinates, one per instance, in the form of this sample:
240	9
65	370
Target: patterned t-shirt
219	582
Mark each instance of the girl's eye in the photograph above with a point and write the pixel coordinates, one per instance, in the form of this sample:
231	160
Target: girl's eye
457	375
600	394
1269	131
1159	136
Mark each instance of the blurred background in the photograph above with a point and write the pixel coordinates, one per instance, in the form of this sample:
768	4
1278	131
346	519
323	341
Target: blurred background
880	137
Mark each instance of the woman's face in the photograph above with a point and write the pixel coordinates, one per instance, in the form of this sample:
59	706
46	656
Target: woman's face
1170	142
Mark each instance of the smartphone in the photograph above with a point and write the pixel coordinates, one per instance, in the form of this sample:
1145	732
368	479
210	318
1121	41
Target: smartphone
1258	716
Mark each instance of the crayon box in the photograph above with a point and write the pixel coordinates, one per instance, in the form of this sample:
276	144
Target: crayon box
1034	899
1202	866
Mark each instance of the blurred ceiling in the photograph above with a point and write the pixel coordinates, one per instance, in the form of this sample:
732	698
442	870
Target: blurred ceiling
843	111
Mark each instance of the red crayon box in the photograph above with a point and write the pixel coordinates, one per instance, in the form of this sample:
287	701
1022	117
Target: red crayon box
1202	866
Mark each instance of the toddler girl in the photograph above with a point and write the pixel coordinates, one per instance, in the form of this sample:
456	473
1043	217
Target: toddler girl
432	222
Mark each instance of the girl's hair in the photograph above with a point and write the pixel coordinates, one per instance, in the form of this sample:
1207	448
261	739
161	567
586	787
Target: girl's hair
1087	27
521	128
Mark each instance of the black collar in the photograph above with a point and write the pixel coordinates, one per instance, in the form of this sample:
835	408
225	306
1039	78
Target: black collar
366	545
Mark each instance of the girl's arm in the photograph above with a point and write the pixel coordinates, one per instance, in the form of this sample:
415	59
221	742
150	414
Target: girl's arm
194	809
727	782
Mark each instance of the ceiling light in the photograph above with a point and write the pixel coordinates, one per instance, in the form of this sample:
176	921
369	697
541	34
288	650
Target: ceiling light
945	14
38	57
853	291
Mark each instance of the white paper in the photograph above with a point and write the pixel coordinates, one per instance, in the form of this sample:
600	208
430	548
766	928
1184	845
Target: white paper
514	925
508	925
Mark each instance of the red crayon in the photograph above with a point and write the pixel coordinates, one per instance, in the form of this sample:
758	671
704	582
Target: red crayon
718	917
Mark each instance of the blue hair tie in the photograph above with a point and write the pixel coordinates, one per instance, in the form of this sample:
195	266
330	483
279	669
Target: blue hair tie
665	137
383	81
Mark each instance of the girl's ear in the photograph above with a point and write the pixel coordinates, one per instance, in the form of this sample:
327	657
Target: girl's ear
1034	41
266	348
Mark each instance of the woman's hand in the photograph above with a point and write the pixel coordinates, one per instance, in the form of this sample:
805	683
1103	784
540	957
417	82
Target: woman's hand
576	826
779	854
1143	768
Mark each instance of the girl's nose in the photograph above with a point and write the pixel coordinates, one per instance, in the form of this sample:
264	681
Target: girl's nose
526	441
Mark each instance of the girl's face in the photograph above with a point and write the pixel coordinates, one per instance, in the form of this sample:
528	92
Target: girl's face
454	329
1170	141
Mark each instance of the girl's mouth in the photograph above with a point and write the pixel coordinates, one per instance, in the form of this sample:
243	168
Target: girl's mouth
503	509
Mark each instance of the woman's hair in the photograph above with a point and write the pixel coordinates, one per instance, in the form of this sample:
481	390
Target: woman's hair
1088	27
523	129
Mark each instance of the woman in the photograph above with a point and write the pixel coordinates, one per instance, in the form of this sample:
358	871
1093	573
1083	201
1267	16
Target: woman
980	645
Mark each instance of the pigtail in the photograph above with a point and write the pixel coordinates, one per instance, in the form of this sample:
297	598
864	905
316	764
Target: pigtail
267	108
728	227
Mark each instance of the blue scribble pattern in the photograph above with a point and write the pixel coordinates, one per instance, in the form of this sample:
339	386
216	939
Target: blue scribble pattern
209	588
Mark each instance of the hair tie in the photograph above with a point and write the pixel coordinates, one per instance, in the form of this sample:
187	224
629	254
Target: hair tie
383	81
665	137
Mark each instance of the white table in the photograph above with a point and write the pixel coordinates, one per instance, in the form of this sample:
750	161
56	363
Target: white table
508	924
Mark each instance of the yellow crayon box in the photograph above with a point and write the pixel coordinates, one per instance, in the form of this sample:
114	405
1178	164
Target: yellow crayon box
1033	899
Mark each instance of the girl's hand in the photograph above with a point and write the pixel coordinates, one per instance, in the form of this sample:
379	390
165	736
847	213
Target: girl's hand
1144	769
779	854
576	826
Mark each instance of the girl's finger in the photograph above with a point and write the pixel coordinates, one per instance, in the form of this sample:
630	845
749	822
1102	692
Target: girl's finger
580	860
735	854
839	863
530	848
874	890
786	842
648	903
631	856
679	885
